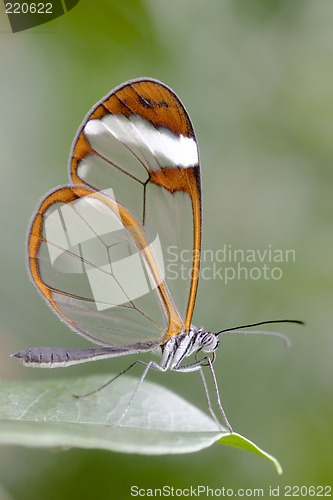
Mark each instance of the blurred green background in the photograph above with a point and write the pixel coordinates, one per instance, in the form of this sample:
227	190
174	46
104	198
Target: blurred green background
257	79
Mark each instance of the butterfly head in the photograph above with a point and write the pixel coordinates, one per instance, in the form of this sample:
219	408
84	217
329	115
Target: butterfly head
205	341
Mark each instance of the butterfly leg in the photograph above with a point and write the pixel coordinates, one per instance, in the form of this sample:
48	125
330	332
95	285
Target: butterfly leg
151	364
218	399
78	396
198	365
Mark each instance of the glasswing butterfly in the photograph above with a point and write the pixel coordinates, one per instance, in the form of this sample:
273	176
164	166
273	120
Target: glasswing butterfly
96	247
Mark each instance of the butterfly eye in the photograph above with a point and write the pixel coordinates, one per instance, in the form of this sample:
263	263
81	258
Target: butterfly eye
209	342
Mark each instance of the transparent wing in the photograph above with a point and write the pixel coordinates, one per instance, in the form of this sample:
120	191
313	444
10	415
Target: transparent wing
93	262
138	143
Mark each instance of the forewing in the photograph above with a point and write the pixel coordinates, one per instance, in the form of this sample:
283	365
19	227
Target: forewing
138	143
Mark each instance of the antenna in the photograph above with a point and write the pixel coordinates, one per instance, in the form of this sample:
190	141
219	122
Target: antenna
242	329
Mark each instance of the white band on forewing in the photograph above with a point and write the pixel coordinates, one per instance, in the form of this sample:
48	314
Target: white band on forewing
156	147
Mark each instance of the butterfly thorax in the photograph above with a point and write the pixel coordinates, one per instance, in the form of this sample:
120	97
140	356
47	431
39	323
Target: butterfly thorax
184	344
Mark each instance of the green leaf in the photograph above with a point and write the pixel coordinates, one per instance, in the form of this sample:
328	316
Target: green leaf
238	441
47	414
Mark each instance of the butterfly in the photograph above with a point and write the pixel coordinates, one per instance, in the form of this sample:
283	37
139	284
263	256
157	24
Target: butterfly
98	247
